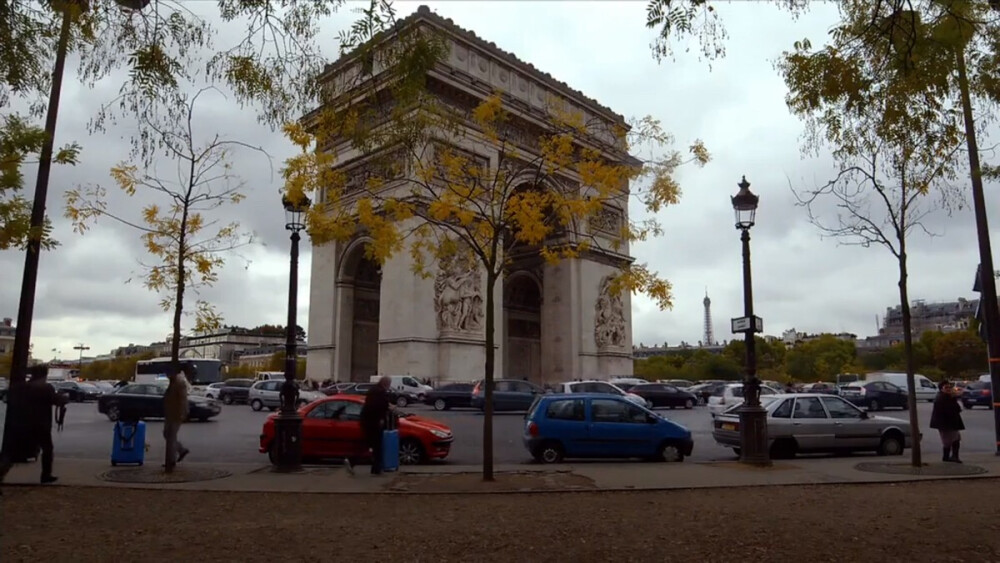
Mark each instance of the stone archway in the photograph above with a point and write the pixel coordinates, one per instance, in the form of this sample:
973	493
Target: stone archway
522	307
362	287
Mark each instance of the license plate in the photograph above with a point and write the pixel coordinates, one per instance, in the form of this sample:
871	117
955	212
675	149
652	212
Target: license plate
729	427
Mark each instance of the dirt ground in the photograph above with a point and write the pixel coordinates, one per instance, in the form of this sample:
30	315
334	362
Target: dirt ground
932	521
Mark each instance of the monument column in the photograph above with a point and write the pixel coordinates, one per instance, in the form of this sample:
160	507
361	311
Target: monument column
560	319
343	330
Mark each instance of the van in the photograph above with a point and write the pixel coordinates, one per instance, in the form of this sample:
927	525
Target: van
985	378
926	389
269	375
406	385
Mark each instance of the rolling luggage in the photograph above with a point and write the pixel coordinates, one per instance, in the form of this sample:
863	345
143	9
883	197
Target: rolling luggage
390	443
390	450
129	447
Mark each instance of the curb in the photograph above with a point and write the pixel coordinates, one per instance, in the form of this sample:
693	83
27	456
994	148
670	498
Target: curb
599	490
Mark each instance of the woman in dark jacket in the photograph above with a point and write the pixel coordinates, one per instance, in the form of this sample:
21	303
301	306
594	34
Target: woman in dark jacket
946	418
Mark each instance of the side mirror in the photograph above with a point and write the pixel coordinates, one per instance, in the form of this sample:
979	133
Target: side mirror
864	415
650	419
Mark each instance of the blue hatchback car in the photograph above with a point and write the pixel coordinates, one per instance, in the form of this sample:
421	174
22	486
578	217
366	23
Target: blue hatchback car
594	425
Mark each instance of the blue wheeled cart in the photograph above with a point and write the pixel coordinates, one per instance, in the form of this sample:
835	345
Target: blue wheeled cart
129	447
390	450
390	443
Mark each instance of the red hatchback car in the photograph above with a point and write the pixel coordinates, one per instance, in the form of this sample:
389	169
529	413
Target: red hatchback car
331	428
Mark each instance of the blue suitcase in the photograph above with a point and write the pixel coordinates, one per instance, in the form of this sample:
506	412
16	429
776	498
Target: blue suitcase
129	447
390	450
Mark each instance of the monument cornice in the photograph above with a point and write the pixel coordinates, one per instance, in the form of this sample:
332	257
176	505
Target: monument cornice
468	38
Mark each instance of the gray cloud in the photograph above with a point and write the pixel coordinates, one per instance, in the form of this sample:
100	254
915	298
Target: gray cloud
737	107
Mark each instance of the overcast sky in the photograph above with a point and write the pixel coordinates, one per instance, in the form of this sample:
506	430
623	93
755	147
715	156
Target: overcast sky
601	48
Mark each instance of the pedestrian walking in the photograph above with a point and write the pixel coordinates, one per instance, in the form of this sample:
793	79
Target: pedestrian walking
35	405
946	418
373	415
175	406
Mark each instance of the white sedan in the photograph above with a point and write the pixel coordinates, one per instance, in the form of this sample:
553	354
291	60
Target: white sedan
729	395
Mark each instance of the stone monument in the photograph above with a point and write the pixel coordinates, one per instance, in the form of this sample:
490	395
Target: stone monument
554	322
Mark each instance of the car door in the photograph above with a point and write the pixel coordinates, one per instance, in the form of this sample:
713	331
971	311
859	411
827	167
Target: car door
566	421
272	393
619	428
314	441
926	390
524	394
503	395
670	396
849	428
895	396
811	426
153	400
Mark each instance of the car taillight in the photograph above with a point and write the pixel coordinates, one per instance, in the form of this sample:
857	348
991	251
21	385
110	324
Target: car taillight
985	392
475	390
532	429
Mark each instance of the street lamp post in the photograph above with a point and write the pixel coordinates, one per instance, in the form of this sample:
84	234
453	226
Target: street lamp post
288	424
753	417
79	365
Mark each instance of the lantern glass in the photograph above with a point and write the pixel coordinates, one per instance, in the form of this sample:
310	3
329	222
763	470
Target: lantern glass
745	205
295	213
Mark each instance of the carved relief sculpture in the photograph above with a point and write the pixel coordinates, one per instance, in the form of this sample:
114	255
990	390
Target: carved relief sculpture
458	298
609	317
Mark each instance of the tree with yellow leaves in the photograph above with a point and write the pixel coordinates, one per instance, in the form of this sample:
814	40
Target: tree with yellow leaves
478	190
185	243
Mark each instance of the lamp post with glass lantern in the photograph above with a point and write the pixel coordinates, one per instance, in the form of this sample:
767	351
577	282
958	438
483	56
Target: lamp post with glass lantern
288	424
753	417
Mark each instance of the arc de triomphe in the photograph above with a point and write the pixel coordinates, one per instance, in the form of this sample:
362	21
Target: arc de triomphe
555	322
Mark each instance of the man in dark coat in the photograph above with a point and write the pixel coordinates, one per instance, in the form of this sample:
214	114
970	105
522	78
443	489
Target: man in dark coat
946	418
35	414
373	415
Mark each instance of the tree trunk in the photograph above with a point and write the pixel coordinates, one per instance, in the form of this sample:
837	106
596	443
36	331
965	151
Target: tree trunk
911	390
491	282
175	340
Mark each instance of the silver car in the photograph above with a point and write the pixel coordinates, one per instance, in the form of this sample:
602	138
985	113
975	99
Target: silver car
817	422
267	393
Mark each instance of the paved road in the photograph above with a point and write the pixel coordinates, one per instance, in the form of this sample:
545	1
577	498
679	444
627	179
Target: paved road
233	435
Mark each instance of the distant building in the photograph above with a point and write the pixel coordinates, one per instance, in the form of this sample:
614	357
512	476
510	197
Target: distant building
229	343
132	350
7	332
945	316
257	358
641	352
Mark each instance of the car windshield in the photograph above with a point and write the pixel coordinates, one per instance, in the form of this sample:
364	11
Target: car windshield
738	391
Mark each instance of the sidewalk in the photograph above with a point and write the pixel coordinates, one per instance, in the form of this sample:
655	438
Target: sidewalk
509	478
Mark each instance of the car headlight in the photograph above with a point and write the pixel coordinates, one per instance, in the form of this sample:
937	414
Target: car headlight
441	433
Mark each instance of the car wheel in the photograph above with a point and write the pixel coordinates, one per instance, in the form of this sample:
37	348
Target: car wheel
203	419
402	401
968	406
738	452
410	452
873	405
440	405
227	399
272	454
113	413
670	452
892	444
689	404
549	452
256	404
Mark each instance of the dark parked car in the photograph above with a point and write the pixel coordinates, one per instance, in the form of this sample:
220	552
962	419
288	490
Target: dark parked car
4	384
336	388
703	391
234	391
77	391
449	396
978	394
663	395
136	401
508	395
875	395
363	388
